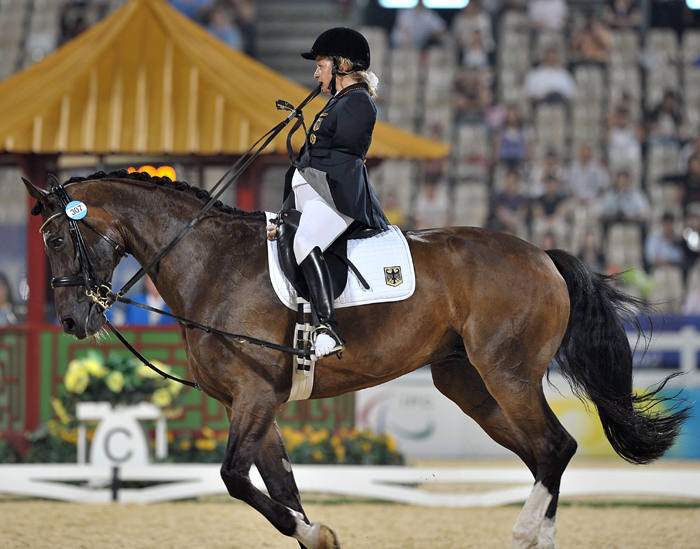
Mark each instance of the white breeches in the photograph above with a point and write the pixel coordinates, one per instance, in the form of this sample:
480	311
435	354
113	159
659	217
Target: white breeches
320	223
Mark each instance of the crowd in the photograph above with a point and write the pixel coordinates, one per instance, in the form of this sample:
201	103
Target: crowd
590	196
587	196
231	21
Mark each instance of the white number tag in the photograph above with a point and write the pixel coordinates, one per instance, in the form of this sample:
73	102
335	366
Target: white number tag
76	210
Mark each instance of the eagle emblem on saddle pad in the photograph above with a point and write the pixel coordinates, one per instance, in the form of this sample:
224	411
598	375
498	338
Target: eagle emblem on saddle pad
392	275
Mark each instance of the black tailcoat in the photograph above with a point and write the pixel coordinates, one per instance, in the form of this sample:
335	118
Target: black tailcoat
333	165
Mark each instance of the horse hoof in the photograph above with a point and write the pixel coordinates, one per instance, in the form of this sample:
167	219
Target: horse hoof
327	539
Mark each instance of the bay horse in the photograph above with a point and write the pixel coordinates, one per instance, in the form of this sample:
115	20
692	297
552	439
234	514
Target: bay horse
489	314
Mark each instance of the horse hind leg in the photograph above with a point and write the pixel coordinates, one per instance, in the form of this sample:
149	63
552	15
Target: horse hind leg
508	418
553	447
458	380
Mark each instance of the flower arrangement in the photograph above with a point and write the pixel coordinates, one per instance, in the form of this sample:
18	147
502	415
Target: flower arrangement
305	446
344	446
118	380
55	442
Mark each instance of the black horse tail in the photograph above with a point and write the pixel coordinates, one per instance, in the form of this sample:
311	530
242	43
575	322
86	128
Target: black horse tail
596	359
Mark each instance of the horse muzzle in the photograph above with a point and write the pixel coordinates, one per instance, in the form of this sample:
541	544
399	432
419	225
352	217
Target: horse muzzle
85	325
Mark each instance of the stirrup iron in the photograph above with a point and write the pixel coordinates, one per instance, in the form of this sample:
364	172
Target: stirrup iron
327	329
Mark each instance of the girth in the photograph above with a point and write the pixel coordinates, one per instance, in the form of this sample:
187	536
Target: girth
336	256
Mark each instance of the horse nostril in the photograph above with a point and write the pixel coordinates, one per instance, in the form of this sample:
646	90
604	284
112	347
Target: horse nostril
68	325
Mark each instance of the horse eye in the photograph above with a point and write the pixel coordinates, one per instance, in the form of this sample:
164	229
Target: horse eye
56	243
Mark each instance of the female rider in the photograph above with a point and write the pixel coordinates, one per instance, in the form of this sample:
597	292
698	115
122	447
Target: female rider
328	179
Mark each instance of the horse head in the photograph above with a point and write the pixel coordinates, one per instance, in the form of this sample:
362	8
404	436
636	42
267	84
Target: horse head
83	253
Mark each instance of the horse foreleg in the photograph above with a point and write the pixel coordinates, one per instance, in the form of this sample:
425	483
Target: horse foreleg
275	468
250	424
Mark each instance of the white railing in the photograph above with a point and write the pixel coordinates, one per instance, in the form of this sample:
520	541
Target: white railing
685	341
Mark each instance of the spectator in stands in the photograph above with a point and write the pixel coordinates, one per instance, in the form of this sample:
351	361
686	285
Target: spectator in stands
624	204
591	253
432	205
623	14
197	10
72	21
473	18
690	184
668	14
664	247
591	44
691	307
549	82
549	165
665	123
221	26
550	211
690	241
548	241
246	15
513	142
150	297
548	15
588	178
623	138
418	27
8	312
472	96
474	55
689	149
508	209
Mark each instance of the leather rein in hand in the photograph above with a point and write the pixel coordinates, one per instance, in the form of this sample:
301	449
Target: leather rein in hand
100	291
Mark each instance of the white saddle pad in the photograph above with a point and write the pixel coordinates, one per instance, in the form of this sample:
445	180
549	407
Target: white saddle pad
384	260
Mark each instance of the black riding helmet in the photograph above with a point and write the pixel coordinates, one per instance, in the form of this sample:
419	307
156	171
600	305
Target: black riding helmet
342	42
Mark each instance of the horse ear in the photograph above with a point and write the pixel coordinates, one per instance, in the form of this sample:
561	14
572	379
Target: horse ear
53	181
35	192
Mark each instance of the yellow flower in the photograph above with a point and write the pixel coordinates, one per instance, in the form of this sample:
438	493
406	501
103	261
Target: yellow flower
391	444
336	441
60	410
185	444
75	366
115	382
318	437
68	435
174	387
95	367
161	398
340	452
208	432
366	447
317	455
162	367
144	372
205	444
76	380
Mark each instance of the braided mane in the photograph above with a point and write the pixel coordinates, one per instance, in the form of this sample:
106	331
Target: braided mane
200	193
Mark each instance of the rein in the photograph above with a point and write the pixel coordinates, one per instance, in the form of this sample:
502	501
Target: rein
100	291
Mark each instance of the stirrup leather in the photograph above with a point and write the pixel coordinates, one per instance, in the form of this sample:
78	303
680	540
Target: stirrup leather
327	329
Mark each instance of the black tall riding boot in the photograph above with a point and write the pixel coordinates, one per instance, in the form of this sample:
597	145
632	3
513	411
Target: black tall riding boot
318	279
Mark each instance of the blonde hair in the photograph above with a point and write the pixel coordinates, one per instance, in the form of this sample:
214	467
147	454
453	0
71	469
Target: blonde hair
368	77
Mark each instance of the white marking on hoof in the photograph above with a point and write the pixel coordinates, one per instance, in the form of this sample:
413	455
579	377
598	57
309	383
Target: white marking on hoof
306	533
315	535
527	529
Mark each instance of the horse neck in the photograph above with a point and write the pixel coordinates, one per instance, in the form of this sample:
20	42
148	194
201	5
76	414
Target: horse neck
150	218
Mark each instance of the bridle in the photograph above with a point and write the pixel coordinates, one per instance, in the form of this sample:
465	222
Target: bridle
100	290
96	288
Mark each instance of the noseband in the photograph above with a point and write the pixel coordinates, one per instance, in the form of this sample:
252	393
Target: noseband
96	288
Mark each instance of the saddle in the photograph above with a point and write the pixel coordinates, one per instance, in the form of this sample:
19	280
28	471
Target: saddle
336	256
